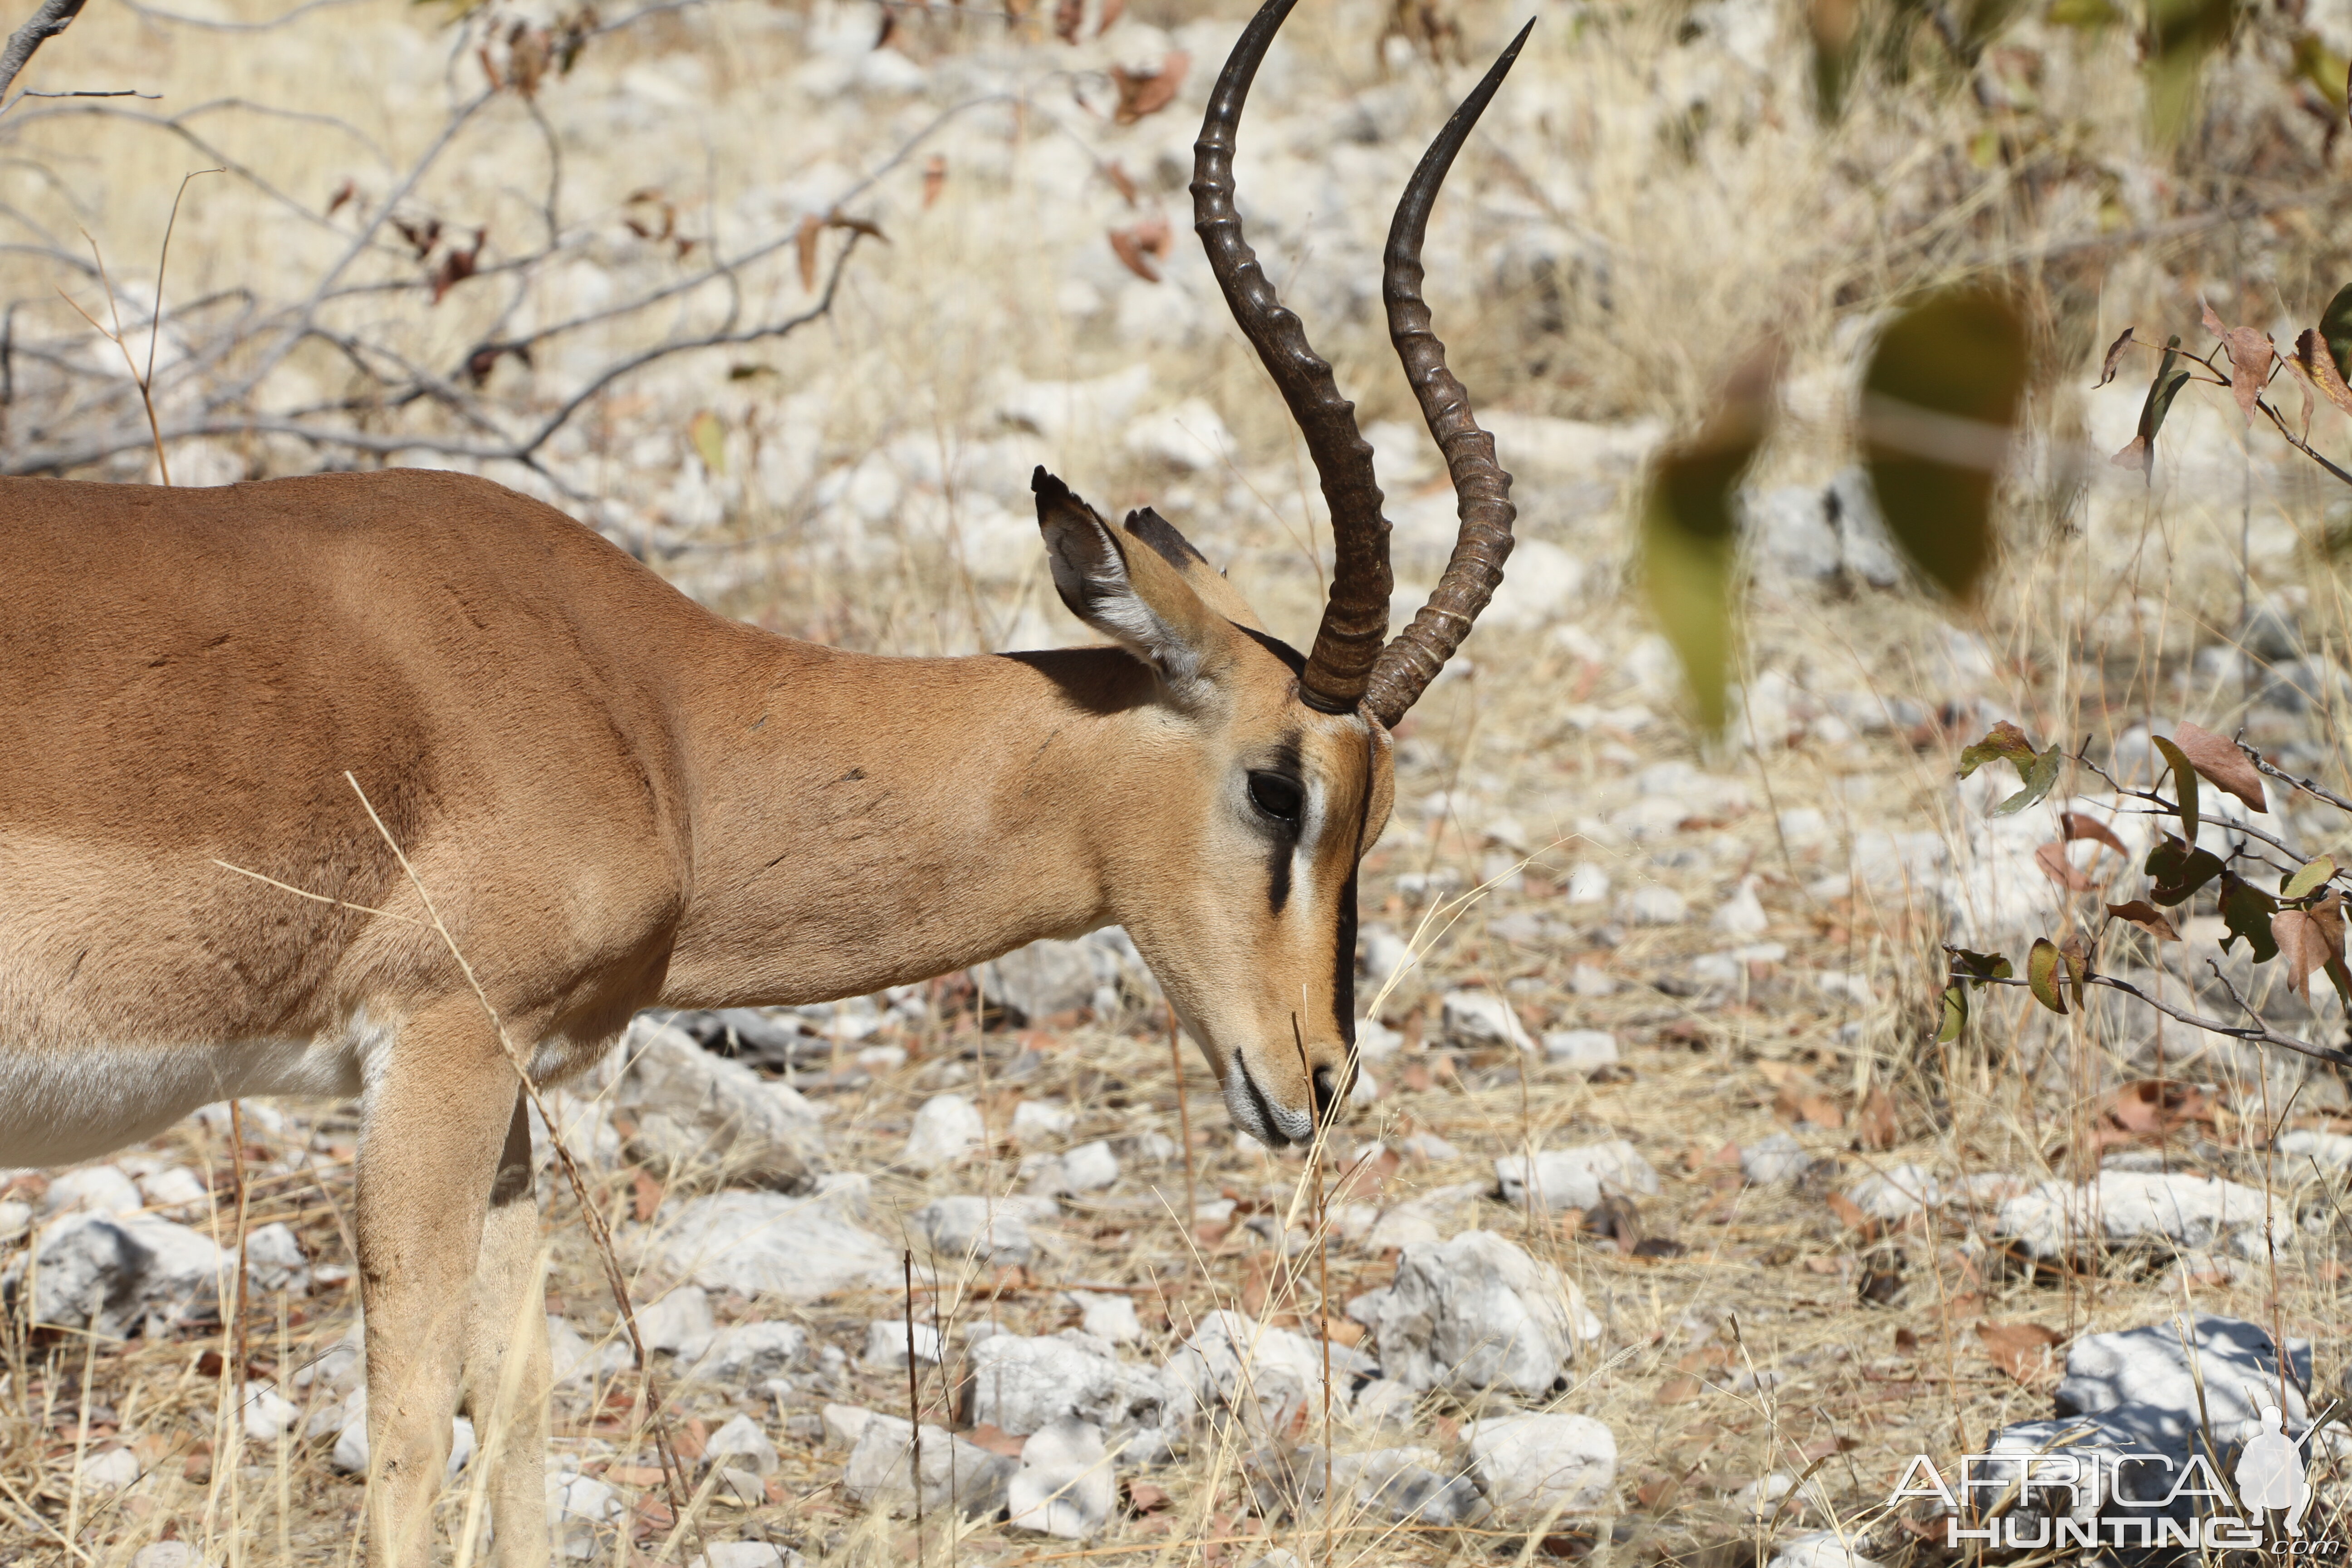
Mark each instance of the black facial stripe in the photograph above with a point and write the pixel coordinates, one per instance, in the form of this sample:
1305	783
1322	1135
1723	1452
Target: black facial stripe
1160	534
1343	977
1294	660
1287	761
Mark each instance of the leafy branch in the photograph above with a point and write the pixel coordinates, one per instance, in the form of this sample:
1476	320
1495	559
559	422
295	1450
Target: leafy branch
2300	925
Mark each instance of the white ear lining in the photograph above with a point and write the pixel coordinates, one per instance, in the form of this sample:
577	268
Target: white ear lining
1102	594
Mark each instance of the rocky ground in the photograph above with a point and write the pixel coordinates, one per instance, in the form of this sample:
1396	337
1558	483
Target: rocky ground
1662	1227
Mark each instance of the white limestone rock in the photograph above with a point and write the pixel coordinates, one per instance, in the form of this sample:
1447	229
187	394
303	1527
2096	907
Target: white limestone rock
1476	1020
1530	1465
769	1244
692	1107
1065	1487
993	1232
2121	1206
1476	1313
948	1129
1577	1178
887	1469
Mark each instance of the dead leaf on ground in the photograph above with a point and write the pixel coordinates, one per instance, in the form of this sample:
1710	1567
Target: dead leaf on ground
2221	764
1139	245
2021	1350
2151	1108
997	1440
644	1196
1875	1125
1149	92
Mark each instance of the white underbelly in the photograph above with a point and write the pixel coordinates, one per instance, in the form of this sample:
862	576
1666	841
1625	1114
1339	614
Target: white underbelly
60	1105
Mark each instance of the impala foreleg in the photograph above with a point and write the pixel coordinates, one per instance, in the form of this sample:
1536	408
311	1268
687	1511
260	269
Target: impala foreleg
435	1120
504	1389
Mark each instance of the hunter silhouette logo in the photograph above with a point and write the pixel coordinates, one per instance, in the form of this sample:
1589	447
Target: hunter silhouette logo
2270	1474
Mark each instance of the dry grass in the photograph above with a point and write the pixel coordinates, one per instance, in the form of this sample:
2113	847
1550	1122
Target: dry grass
1705	210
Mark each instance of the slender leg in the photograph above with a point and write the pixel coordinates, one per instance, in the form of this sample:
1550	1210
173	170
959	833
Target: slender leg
433	1124
507	1404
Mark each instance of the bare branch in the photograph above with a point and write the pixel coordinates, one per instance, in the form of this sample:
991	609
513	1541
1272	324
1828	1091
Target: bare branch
2258	1033
54	18
150	13
2305	785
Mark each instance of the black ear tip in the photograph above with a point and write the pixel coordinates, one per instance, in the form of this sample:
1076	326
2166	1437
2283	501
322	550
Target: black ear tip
1047	487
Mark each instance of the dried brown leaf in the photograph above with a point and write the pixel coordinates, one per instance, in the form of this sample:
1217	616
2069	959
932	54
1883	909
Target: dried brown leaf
935	176
2021	1350
2318	368
2052	858
1875	1125
2309	939
2145	916
1149	92
1139	245
2115	356
805	248
2250	355
2222	764
2075	824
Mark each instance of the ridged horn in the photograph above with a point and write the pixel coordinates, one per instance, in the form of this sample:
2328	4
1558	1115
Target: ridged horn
1356	618
1482	489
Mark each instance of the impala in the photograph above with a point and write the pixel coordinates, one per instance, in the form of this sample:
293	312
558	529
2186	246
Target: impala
616	799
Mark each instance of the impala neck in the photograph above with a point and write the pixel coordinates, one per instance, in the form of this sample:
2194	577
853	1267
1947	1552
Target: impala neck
858	822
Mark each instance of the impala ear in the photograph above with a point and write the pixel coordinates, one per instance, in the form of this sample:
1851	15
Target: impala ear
1132	596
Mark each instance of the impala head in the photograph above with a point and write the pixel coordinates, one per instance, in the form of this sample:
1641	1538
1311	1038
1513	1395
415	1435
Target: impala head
1278	771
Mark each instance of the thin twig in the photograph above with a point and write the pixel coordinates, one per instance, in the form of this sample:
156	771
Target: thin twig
2257	1035
54	18
2305	785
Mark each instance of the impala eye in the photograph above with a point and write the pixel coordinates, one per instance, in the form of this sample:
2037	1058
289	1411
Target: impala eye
1276	794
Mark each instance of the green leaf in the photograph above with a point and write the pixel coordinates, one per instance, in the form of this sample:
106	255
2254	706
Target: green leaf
1835	27
2162	388
2335	322
2180	34
2184	782
2313	874
2246	910
1979	966
2324	68
2003	742
1955	1014
709	438
2087	14
2176	871
2039	779
1689	543
2042	974
1938	402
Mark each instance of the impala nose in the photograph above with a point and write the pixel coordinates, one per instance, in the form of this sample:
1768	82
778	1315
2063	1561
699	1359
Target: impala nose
1331	1087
